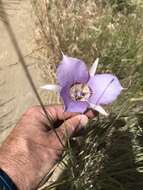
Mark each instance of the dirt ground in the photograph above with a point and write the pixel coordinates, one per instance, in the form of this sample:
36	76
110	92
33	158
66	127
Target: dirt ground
15	92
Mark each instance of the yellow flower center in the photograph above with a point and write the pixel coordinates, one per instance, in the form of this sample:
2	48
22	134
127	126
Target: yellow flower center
80	92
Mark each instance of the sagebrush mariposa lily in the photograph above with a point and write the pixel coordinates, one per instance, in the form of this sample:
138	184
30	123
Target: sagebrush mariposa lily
81	89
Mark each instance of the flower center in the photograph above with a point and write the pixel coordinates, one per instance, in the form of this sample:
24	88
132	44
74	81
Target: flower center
80	92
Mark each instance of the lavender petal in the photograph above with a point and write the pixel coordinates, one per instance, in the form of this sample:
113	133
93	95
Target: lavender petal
71	71
105	89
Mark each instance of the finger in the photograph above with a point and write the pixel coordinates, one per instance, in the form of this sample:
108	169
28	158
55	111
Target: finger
72	126
56	112
91	113
57	115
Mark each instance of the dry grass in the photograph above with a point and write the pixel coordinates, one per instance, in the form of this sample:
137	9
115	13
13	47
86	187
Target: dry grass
110	156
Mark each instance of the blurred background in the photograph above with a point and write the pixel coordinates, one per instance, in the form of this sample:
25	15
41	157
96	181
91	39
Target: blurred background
109	155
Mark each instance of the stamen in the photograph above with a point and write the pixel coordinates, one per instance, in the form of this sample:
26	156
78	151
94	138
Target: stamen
80	92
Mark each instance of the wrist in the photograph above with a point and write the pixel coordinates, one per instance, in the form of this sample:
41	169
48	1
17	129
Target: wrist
14	170
16	166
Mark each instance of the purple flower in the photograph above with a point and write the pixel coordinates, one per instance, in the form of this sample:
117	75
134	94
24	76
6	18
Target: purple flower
81	89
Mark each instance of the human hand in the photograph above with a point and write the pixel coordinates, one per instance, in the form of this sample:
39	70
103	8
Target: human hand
32	148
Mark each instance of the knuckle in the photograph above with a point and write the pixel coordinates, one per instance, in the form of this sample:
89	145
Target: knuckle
51	112
50	109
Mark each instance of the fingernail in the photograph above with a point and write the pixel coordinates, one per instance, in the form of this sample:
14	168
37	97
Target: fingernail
83	120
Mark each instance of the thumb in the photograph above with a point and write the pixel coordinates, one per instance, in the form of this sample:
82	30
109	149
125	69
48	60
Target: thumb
72	126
